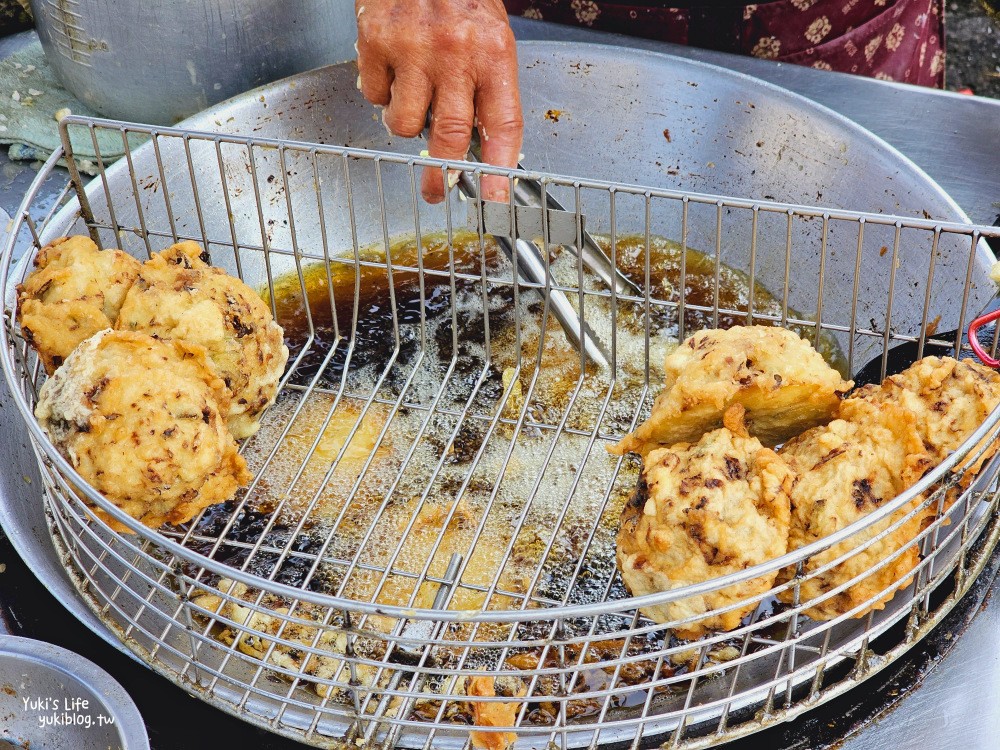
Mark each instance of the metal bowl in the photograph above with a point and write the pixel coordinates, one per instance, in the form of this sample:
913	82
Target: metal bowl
161	62
51	698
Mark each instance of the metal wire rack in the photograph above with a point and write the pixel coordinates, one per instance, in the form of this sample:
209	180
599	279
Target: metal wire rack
433	505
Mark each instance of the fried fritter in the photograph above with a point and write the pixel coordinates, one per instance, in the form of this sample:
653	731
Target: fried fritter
949	398
142	421
75	291
781	381
702	511
179	296
491	714
846	470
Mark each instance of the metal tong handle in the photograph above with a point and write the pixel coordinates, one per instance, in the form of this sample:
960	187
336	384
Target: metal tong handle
528	192
531	266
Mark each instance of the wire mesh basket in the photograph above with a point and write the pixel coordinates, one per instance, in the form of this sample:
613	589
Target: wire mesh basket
425	557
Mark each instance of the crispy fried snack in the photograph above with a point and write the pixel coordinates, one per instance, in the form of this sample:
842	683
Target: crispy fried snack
781	381
270	616
702	511
179	296
142	420
950	399
491	714
846	470
75	291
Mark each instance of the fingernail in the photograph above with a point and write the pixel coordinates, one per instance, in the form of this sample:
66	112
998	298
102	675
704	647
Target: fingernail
453	175
359	83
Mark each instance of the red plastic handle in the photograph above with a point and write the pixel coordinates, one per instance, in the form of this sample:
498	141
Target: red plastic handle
978	323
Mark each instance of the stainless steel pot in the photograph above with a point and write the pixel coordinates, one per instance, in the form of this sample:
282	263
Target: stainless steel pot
53	698
161	62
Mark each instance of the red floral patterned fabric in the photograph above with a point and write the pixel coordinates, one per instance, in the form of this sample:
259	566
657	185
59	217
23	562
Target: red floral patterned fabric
895	40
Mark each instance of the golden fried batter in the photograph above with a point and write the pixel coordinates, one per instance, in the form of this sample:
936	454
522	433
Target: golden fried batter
783	383
491	714
179	296
75	291
950	399
142	420
846	470
703	511
271	616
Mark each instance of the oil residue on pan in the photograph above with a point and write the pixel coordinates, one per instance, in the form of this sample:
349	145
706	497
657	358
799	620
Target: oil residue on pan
444	437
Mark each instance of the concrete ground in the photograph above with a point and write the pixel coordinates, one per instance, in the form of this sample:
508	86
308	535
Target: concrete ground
972	38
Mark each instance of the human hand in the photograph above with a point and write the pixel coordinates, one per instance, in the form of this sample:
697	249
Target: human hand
455	57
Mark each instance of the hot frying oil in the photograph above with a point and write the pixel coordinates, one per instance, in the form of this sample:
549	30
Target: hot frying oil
451	416
436	410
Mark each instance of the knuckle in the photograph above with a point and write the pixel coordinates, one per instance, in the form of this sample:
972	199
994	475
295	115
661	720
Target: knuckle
503	118
452	129
403	124
408	130
369	29
463	36
510	123
377	36
373	91
499	40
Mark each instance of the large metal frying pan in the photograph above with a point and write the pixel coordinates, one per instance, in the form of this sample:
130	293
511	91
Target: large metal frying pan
633	117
